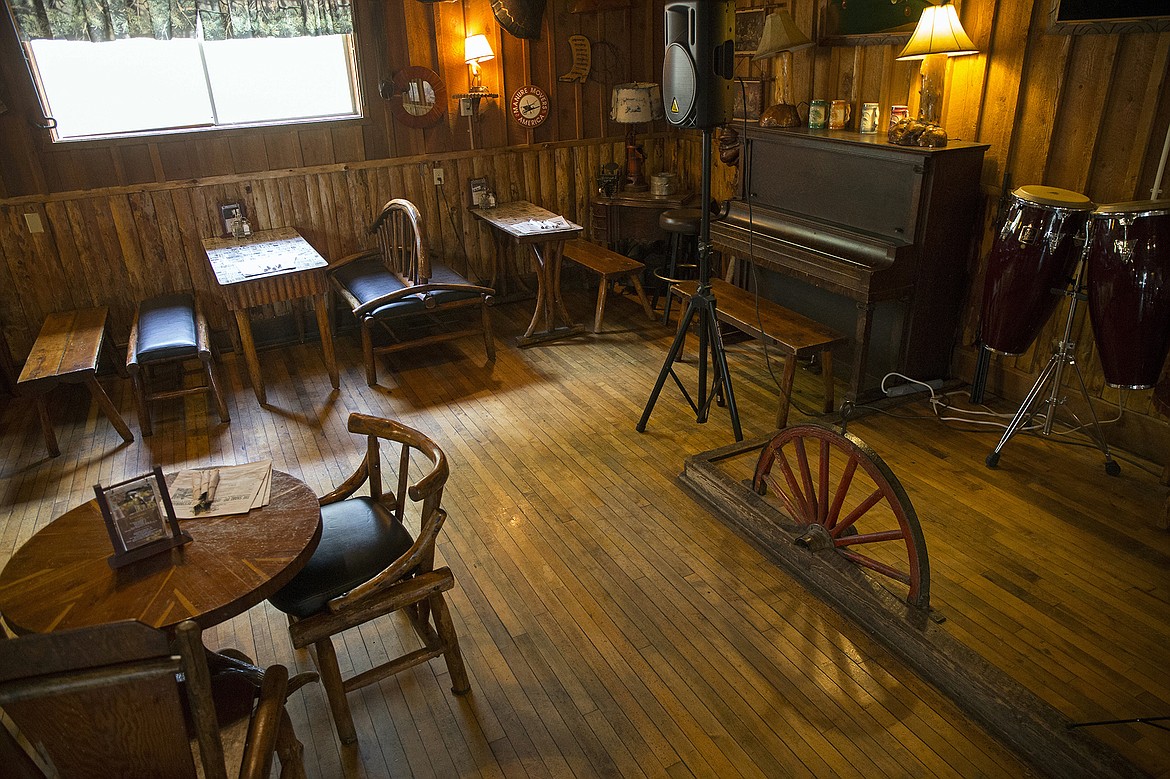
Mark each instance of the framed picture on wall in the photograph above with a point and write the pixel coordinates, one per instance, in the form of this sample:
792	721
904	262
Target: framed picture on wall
749	99
749	27
869	22
1077	17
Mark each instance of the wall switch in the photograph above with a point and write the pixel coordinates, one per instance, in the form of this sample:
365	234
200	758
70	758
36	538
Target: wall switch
438	175
33	220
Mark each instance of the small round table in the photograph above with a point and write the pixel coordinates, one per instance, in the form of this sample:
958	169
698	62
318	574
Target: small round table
60	579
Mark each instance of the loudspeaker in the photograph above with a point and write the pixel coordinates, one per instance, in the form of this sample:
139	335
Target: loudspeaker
700	62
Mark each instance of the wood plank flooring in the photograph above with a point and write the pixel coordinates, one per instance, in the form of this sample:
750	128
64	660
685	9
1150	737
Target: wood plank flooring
612	626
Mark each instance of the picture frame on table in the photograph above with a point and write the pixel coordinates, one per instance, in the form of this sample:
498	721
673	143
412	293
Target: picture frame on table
748	100
477	191
140	518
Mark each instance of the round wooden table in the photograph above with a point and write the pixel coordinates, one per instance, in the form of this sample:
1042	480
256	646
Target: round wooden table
60	578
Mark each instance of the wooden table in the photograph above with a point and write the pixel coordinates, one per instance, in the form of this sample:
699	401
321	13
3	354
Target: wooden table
270	266
547	246
640	208
67	351
60	579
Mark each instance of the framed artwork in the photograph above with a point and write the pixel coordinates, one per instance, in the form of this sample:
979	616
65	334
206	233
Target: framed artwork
140	518
1077	17
749	99
477	190
869	22
749	27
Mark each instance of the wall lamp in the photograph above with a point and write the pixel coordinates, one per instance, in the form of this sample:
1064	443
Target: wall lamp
476	49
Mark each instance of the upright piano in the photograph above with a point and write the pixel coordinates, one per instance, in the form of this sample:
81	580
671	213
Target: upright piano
862	235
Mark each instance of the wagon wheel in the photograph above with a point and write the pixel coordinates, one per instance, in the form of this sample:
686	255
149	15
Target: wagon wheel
840	489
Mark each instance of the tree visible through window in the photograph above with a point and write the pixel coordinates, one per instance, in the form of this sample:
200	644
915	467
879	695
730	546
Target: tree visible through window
112	67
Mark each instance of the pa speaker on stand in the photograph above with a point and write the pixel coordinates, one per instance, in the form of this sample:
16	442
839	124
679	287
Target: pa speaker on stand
697	93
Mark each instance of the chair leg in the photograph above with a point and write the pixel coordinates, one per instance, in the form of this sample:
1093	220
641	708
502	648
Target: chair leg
213	385
489	340
143	407
368	354
451	654
335	690
290	750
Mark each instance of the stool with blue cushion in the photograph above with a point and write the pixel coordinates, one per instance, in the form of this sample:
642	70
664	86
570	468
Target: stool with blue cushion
169	329
369	563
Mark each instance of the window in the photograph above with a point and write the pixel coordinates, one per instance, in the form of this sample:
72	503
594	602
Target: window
257	69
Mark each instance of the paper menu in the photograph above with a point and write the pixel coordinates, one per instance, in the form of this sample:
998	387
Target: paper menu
239	489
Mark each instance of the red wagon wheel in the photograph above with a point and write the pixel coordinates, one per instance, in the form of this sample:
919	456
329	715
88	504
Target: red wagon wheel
842	491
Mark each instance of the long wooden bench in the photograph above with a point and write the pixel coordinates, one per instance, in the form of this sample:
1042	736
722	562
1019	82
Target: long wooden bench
67	351
797	336
612	267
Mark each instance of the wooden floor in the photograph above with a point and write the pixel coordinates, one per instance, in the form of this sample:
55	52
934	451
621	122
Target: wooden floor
612	626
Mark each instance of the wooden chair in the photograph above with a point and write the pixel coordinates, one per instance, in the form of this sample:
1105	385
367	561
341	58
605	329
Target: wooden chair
369	564
108	701
169	328
398	282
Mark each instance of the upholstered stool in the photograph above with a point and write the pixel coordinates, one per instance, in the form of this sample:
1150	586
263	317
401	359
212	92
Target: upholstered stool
682	224
170	328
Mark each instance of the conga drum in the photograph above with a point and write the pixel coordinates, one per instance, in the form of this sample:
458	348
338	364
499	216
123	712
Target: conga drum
1129	290
1035	250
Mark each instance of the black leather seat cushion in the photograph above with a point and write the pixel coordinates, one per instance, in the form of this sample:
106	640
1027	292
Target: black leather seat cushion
681	220
368	279
166	328
359	538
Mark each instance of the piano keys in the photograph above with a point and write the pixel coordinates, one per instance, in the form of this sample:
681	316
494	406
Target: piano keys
861	230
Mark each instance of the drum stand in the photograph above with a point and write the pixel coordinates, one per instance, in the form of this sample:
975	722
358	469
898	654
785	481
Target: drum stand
1050	377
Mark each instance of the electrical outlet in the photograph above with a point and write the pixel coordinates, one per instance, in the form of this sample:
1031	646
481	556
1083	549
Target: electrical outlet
34	223
438	175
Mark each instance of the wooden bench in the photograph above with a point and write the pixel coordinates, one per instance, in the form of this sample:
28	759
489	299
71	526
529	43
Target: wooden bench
67	351
797	336
612	267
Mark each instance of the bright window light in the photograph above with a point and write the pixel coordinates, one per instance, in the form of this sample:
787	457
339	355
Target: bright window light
143	85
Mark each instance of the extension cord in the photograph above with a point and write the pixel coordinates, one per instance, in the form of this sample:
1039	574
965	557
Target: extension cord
911	387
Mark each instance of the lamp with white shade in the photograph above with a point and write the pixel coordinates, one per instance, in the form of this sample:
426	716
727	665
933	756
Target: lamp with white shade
938	36
632	104
781	37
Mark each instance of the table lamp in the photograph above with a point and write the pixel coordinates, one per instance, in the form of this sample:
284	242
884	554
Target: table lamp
939	35
632	104
781	36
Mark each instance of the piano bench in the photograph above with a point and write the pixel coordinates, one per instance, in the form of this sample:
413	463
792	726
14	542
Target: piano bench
797	336
612	267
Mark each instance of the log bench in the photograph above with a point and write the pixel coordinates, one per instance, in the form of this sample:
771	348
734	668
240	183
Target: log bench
795	335
67	351
612	267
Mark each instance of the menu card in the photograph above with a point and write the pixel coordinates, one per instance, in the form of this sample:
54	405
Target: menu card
222	490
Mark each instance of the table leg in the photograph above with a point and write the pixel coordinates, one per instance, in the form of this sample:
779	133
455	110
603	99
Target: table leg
548	297
108	408
47	427
245	327
326	339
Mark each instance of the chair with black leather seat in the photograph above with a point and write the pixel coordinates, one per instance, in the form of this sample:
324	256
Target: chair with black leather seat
399	284
108	701
370	563
167	329
683	224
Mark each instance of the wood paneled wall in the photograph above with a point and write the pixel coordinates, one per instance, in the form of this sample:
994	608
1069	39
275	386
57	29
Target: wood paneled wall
1084	112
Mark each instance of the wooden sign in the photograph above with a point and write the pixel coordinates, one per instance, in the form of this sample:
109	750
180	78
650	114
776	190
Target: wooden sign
139	518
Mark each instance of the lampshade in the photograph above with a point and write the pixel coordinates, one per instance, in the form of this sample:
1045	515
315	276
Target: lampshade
780	34
938	32
477	49
636	102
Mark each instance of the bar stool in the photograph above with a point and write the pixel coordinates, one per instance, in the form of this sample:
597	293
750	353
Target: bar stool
170	328
682	224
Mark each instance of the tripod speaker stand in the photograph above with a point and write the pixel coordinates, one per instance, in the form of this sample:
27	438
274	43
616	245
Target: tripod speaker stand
701	307
1063	354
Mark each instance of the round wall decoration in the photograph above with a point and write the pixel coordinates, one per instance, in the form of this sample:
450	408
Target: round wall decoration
529	106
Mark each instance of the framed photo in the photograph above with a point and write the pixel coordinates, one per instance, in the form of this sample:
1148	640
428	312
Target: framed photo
230	215
1077	17
749	27
869	22
477	190
749	99
140	518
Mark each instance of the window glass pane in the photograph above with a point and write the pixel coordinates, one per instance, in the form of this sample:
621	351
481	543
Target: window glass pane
267	79
122	86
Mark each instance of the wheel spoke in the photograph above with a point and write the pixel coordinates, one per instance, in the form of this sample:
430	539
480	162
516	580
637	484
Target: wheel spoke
842	490
874	565
794	498
810	492
823	486
871	538
857	513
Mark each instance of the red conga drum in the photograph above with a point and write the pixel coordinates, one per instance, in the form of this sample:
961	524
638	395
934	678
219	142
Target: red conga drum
1129	290
1035	250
